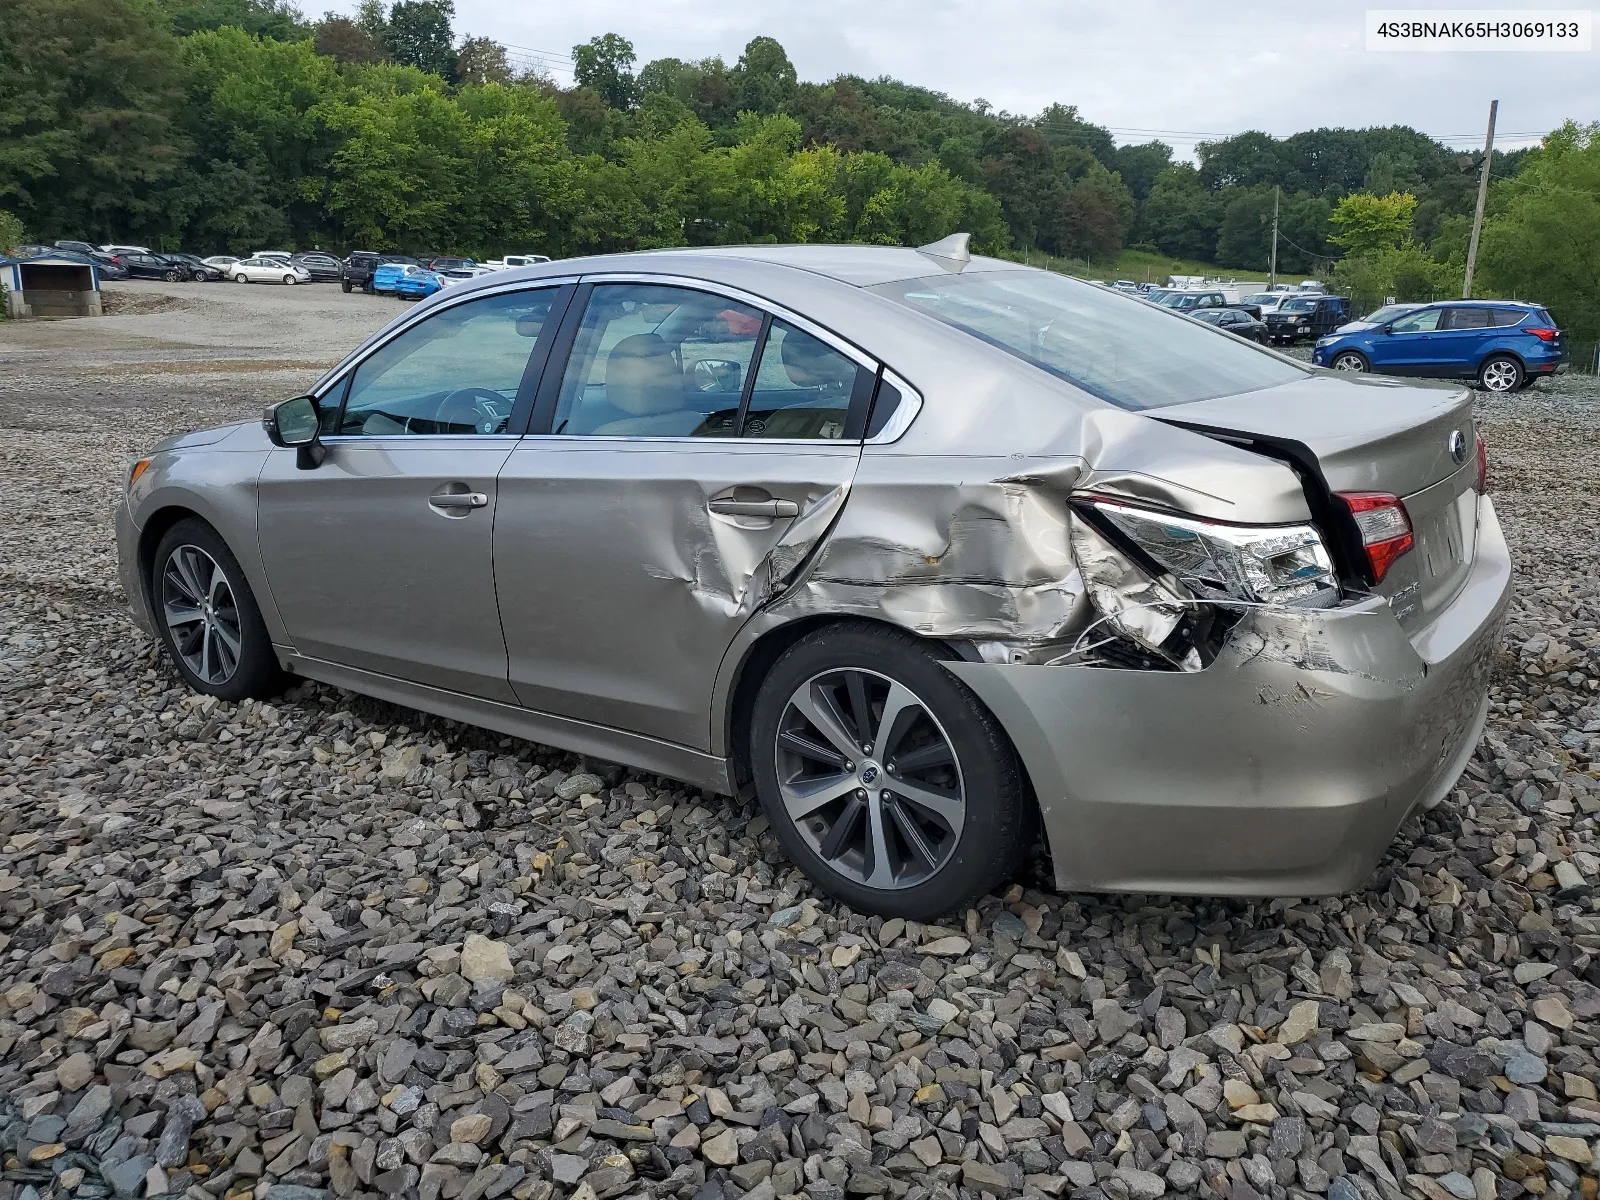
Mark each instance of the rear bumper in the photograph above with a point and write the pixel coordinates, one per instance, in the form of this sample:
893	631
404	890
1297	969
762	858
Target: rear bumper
1283	769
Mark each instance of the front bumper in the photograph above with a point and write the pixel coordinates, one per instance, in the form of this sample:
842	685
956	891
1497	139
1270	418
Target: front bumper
1282	769
128	569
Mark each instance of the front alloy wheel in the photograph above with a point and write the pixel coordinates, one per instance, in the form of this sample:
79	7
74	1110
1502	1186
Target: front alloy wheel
870	778
201	615
1350	361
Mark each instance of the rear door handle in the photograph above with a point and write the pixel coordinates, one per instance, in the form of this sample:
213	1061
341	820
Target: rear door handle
755	508
458	500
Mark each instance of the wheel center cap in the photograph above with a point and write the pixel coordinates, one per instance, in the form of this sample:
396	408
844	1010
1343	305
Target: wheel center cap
868	772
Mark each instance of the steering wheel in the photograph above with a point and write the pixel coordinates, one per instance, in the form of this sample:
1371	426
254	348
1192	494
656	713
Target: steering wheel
475	406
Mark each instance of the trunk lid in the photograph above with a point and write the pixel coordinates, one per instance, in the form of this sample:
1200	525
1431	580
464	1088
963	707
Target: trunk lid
1374	434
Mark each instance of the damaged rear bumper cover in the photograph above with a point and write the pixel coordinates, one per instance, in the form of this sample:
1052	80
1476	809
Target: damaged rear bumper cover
1284	768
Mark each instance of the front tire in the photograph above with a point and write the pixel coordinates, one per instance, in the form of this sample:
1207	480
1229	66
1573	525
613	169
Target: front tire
289	279
1350	360
1501	373
344	286
883	776
208	617
171	276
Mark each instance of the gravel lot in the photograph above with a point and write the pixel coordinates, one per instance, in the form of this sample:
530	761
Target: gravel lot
333	946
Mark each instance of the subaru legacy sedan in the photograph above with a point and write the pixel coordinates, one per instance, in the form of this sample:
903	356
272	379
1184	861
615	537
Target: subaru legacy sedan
943	559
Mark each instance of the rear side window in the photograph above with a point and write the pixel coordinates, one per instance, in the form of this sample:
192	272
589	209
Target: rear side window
803	388
1466	318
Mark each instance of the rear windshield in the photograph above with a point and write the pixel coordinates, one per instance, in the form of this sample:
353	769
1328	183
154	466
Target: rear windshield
1125	352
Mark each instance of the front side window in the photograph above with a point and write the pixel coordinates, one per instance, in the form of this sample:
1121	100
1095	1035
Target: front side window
1468	318
1424	321
457	372
1125	353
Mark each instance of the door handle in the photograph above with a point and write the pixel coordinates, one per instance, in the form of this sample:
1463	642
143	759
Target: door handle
458	500
755	508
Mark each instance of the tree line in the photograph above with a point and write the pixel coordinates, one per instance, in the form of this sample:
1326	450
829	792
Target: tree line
231	124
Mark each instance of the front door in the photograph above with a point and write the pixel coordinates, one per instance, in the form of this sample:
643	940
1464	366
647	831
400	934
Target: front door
1407	348
382	557
697	449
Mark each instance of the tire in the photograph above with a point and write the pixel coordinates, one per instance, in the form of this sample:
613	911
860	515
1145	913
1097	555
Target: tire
241	278
195	572
1501	373
369	289
344	286
1350	360
290	280
971	838
171	276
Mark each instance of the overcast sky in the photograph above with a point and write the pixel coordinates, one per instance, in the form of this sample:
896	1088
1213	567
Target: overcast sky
1181	70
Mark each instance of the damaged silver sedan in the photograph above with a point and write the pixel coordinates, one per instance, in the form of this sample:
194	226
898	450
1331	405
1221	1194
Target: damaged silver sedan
943	558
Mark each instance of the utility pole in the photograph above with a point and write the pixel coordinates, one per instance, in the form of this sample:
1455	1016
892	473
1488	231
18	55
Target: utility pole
1483	194
1272	265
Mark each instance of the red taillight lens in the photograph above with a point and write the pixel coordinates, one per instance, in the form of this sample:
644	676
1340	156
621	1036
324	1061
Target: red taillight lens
1483	466
1385	528
1544	335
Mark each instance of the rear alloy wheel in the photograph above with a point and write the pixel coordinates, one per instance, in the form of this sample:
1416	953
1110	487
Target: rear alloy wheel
1350	360
172	277
884	777
1500	374
241	278
208	616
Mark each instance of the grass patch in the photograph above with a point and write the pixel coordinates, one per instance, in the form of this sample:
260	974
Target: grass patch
1141	266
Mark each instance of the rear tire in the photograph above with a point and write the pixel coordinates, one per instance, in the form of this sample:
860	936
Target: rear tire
1350	360
208	617
344	286
1501	373
241	278
925	821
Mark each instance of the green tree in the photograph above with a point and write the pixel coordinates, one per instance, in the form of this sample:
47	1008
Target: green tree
1140	164
605	64
1363	222
88	89
419	35
276	19
1543	241
10	232
764	79
345	41
1405	271
1181	217
482	60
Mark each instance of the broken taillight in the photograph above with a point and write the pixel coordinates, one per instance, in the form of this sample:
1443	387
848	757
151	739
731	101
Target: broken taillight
1482	483
1385	528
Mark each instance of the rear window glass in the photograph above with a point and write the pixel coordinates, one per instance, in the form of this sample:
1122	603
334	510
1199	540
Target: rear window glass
1126	353
1508	316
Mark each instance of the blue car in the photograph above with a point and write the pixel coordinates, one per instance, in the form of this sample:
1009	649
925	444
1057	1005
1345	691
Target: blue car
406	280
1502	344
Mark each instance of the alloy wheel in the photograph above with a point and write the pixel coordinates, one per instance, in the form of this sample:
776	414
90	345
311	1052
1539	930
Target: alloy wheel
201	614
870	778
1349	362
1500	375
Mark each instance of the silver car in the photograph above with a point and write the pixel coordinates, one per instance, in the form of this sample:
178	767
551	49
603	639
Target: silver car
943	558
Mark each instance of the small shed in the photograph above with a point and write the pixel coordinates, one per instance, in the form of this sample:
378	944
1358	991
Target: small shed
51	285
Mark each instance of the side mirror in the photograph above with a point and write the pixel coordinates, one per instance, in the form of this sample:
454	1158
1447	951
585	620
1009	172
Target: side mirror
717	375
297	425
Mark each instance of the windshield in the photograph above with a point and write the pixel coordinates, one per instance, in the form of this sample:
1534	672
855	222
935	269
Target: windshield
1387	313
1112	346
1298	306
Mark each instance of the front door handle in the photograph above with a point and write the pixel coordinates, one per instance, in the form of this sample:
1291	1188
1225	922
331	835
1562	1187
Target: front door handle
458	500
755	508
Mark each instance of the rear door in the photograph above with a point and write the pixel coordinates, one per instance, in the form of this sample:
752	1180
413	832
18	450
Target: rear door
675	474
381	558
1457	345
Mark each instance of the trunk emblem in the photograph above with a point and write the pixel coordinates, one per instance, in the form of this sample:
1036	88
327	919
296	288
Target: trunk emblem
1458	447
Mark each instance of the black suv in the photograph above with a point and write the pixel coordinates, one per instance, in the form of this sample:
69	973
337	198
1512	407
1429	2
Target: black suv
323	267
358	268
1306	318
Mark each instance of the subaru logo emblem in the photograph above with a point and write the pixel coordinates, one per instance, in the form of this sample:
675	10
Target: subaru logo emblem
1458	447
869	774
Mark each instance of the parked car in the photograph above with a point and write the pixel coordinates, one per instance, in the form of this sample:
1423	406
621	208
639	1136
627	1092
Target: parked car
199	270
1234	320
107	266
1191	301
407	280
285	255
323	267
116	249
448	262
153	266
1377	316
516	260
634	547
1304	317
458	274
360	265
1265	302
1503	345
221	260
268	270
78	247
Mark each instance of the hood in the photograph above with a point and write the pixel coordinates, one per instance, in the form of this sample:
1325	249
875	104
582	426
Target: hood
201	437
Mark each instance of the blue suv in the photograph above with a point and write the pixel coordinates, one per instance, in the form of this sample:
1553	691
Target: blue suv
1503	344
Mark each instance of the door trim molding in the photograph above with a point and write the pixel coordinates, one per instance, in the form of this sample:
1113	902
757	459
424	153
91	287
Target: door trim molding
566	733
